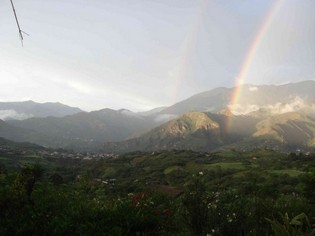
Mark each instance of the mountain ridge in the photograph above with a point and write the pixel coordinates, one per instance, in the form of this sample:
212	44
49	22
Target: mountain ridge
28	109
195	123
251	98
282	131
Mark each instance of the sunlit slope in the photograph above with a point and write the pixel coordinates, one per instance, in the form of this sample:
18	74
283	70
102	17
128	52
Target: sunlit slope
201	131
193	130
289	128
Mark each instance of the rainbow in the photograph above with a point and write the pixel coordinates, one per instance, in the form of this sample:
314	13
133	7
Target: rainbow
240	78
187	49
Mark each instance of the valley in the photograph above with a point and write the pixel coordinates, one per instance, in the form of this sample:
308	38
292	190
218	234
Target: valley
198	167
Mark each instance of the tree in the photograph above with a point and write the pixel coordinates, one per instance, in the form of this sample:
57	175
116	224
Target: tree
195	203
27	178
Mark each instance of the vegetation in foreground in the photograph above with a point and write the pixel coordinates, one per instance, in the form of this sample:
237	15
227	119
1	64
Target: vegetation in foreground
162	193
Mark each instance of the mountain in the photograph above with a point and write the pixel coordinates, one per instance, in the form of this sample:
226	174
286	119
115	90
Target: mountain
11	132
265	114
152	111
19	134
204	131
213	100
84	130
290	128
27	109
274	98
200	131
6	144
190	130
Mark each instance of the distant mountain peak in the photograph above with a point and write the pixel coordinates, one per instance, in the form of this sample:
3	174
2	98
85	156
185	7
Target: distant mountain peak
27	109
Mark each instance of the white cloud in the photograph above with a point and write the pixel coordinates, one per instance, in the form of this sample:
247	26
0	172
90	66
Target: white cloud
238	109
13	115
252	89
297	104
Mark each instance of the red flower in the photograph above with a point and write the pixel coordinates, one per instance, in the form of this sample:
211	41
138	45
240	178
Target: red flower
139	196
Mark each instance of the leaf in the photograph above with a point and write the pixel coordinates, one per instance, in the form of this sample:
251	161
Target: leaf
297	220
278	228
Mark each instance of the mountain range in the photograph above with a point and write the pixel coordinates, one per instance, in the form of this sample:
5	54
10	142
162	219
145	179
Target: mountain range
83	130
277	99
279	117
28	109
204	131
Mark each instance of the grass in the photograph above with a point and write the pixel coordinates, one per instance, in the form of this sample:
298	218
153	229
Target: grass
227	165
290	172
171	169
228	154
15	162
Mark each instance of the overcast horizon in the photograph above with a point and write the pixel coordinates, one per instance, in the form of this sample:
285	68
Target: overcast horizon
139	54
253	88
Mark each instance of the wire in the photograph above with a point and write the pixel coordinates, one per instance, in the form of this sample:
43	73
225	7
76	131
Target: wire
18	24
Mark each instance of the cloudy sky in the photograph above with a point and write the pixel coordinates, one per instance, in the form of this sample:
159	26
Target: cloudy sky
141	54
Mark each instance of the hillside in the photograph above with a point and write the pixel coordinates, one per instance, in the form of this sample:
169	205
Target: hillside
192	131
19	134
213	100
201	131
6	145
83	130
290	128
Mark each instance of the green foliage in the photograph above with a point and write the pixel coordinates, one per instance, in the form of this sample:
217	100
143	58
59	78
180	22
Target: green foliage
298	225
309	182
195	203
26	179
115	196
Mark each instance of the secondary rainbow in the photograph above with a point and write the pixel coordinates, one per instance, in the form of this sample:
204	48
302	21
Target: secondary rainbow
187	49
240	78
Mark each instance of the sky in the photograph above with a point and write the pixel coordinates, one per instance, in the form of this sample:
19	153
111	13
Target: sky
142	54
